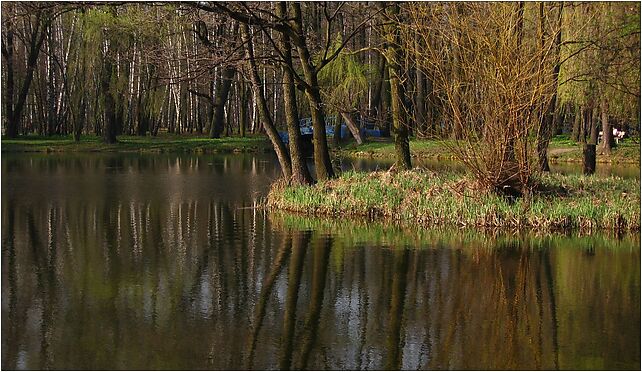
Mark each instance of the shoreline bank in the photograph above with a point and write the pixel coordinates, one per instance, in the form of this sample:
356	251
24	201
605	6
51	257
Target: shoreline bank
561	151
429	199
131	144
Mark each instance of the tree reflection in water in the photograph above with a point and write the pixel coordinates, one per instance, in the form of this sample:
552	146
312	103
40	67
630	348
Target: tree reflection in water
165	264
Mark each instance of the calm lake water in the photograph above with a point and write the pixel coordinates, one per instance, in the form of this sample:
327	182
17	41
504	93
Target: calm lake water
161	262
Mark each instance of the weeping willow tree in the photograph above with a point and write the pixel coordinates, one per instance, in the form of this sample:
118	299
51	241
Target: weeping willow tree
600	73
344	84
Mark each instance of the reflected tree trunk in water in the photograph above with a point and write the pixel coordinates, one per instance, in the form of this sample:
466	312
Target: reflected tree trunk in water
395	314
300	242
266	290
363	310
322	250
49	294
551	293
14	323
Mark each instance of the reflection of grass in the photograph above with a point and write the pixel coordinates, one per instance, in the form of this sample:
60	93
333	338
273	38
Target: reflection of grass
360	231
431	199
161	143
561	150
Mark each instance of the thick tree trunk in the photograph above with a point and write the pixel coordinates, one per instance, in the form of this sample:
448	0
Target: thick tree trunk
222	93
264	114
394	57
300	173
589	159
375	104
322	161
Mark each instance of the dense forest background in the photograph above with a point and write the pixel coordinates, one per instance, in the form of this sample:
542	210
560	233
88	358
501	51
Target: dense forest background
492	74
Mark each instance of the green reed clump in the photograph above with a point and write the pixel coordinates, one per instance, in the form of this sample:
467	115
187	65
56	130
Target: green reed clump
557	202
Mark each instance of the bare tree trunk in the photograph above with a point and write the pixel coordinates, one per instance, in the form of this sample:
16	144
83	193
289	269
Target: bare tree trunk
222	93
546	130
35	43
352	126
109	130
7	54
51	84
300	173
257	86
322	161
399	122
243	109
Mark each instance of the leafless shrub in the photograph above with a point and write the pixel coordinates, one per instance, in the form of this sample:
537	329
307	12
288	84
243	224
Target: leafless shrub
493	82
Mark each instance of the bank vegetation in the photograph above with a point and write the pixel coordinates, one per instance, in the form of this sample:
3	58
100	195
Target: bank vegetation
425	198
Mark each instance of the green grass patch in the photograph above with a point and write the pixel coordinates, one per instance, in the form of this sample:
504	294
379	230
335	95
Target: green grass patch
158	144
425	198
561	150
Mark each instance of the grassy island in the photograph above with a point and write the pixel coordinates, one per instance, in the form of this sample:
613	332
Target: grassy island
426	198
147	144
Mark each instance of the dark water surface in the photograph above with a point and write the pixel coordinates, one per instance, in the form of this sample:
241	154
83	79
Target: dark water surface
161	262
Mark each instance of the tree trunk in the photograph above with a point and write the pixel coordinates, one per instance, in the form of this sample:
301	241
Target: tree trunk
546	131
264	114
35	44
352	126
394	57
7	53
109	130
378	85
243	110
589	159
577	122
420	105
222	92
594	127
300	173
322	161
607	133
